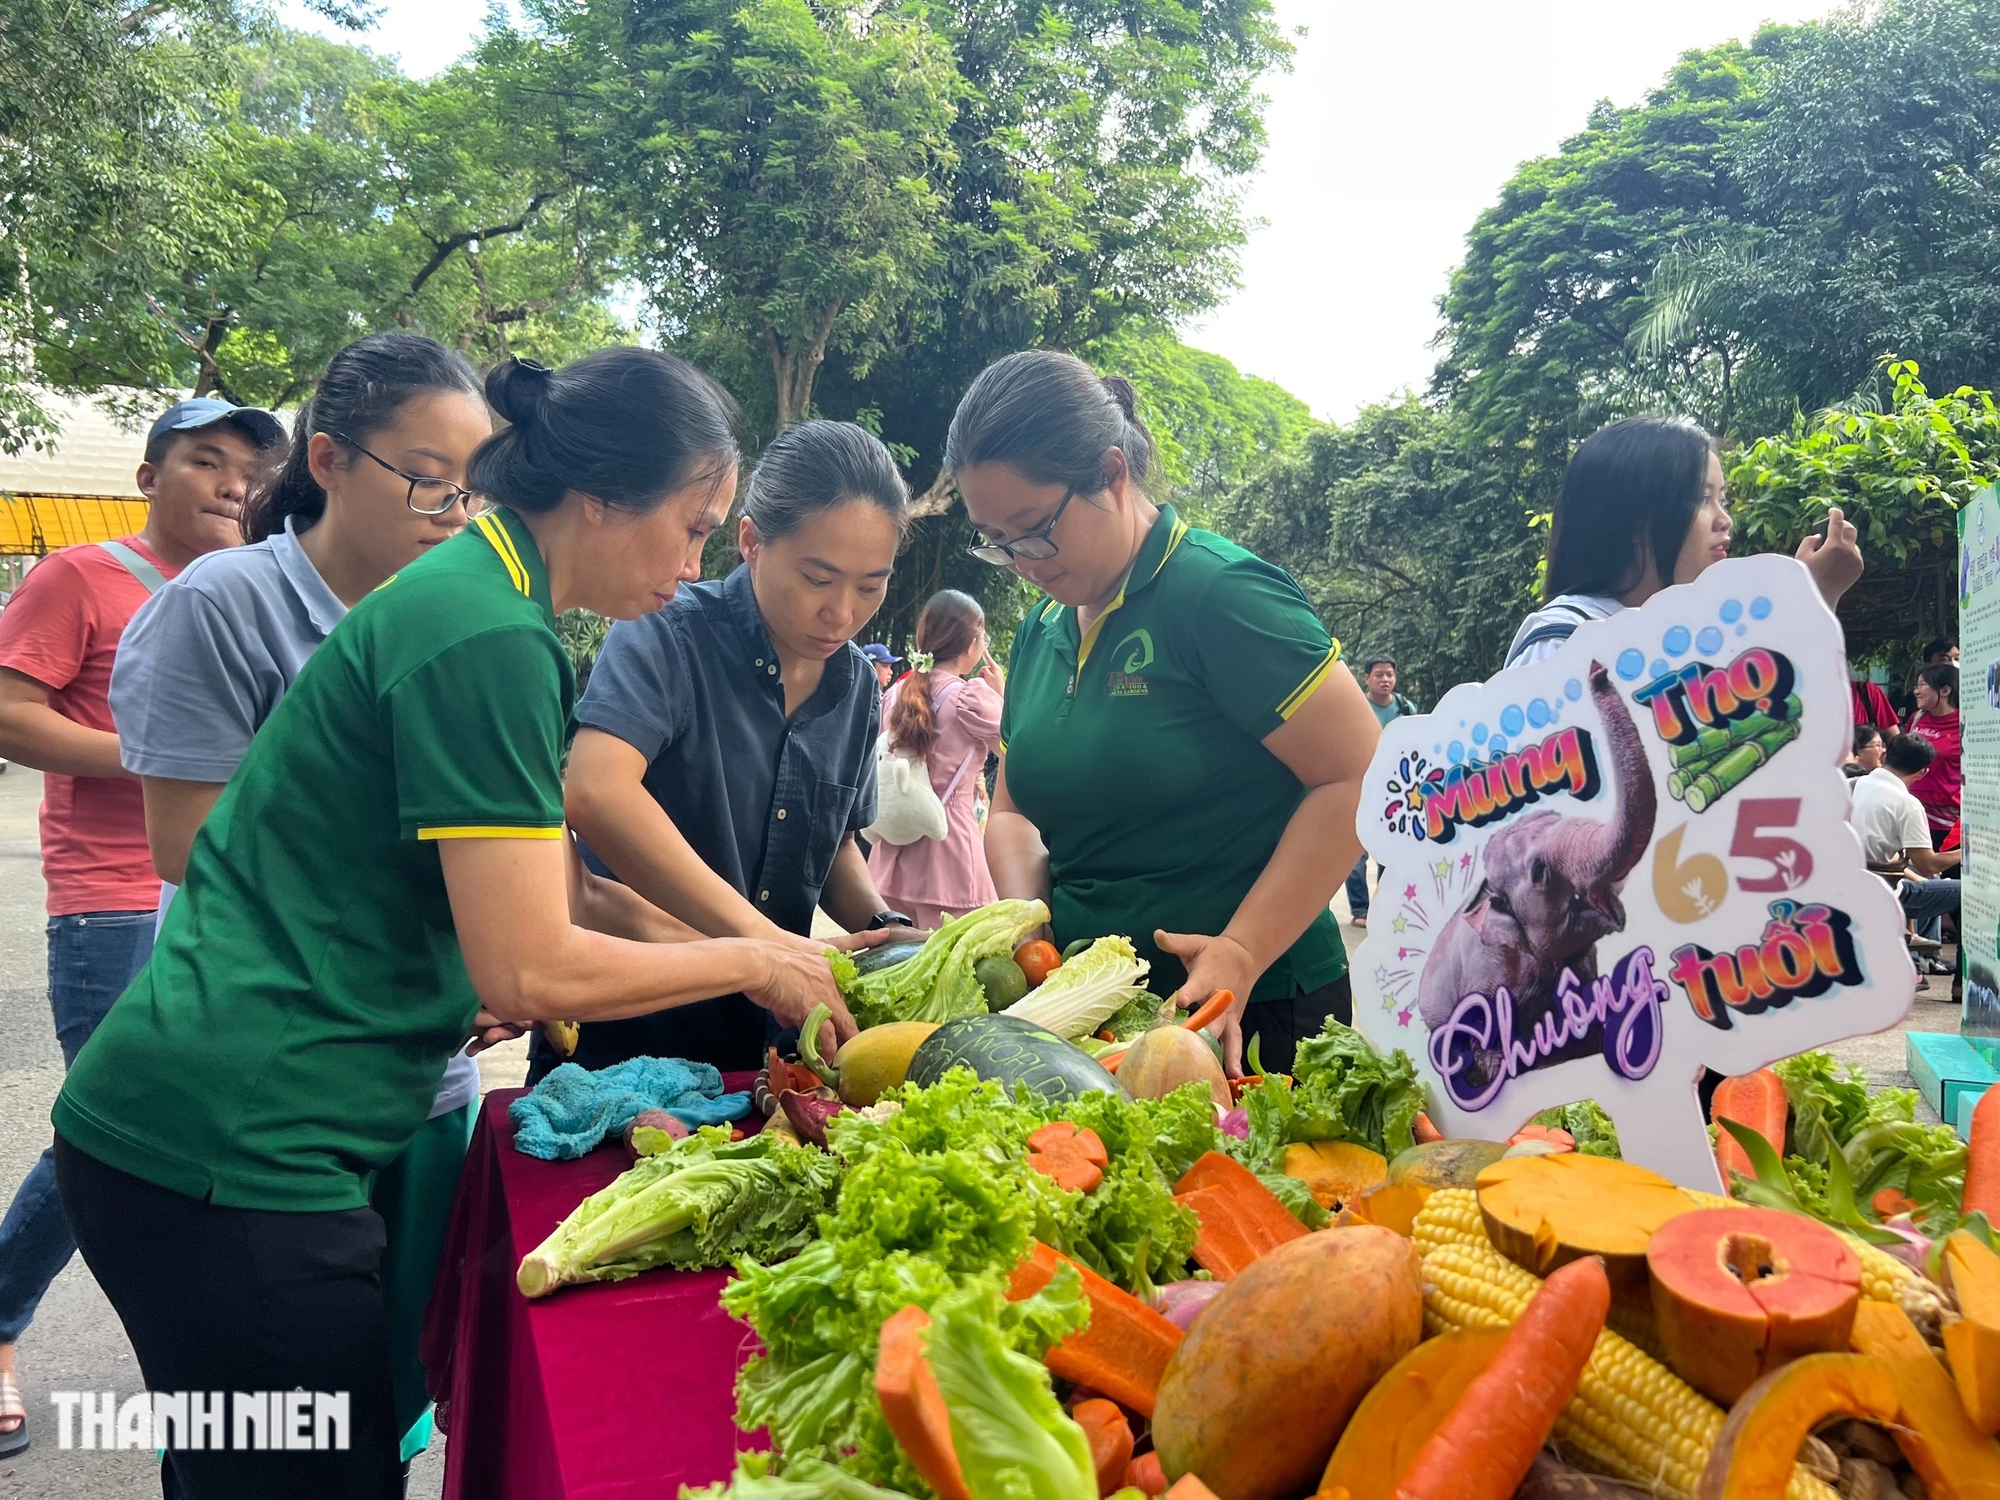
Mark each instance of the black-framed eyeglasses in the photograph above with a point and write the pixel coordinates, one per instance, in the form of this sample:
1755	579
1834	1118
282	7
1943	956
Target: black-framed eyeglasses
428	496
1033	546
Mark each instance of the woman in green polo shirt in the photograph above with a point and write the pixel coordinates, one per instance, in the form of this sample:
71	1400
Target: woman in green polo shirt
1179	760
385	873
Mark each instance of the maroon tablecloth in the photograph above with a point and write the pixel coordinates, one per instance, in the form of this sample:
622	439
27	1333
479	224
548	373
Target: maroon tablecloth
609	1392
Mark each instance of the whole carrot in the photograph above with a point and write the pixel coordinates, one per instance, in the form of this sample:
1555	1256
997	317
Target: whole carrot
1485	1447
1211	1010
1982	1158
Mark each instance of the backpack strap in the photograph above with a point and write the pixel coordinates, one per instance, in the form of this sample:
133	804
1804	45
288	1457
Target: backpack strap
1553	630
148	575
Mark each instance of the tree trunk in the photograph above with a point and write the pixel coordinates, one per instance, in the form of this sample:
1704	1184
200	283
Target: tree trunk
793	374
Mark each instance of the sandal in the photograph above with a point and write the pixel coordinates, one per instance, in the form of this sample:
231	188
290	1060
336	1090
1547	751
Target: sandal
10	1406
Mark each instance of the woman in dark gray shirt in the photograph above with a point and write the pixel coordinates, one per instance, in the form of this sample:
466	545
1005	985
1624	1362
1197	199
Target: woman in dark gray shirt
725	754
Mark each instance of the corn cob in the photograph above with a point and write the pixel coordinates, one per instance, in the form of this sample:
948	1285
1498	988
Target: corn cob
1632	1322
1631	1417
1883	1277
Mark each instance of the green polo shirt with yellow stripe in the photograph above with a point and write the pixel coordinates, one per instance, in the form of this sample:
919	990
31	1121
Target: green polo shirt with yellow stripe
288	1035
1138	752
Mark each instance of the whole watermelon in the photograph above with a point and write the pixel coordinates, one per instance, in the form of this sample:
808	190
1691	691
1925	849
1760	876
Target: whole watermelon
1010	1050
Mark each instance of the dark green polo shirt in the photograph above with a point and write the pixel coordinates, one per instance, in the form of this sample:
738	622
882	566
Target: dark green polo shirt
1138	751
287	1036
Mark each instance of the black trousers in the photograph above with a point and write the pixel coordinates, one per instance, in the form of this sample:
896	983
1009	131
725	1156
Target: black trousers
1283	1024
235	1299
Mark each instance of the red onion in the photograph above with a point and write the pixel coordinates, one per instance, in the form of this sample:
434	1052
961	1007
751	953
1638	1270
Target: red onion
1237	1123
1181	1302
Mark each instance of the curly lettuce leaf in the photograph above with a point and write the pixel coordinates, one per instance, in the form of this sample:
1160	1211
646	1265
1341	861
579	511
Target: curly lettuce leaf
1137	1016
1589	1126
1013	1440
1297	1198
1343	1089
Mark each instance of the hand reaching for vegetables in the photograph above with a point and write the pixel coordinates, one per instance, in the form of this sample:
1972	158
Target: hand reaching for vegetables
489	1030
1834	560
1215	963
794	982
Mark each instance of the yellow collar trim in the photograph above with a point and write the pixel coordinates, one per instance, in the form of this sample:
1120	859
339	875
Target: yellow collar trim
496	536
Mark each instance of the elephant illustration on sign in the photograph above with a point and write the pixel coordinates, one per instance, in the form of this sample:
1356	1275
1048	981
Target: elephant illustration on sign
1549	892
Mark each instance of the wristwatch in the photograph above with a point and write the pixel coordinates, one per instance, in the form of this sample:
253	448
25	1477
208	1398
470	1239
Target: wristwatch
883	919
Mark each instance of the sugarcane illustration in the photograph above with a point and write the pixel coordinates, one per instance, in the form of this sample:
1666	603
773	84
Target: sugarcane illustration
1713	743
1702	786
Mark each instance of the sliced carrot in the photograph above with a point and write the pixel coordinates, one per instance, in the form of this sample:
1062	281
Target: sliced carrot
1562	1140
1074	1159
1145	1475
1110	1441
1222	1246
1982	1158
1269	1223
913	1406
1210	1010
1124	1350
1753	1099
1067	1167
1888	1202
1189	1487
1485	1447
1061	1132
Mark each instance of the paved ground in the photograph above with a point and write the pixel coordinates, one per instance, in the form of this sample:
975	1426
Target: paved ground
76	1342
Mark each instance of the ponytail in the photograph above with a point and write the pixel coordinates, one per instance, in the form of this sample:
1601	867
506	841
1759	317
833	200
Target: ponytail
363	388
945	631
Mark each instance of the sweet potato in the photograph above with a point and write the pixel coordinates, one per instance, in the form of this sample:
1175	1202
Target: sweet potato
1260	1389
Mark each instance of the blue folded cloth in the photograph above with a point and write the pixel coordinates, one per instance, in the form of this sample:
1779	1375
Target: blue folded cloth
572	1109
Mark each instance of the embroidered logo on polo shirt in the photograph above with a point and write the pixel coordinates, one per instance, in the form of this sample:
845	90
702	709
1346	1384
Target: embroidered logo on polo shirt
1135	654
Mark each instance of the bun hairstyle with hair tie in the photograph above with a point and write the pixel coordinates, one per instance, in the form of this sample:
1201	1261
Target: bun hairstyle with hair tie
946	629
626	426
1051	418
363	389
816	466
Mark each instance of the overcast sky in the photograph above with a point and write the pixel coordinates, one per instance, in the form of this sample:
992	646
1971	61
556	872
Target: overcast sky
1397	125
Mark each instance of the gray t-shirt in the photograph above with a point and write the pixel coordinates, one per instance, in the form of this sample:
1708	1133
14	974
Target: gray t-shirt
205	661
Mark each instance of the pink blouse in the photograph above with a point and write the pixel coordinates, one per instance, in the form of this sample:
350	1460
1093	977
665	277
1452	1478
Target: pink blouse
950	873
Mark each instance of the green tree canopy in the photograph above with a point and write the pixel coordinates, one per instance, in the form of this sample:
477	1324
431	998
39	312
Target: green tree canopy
1900	475
1406	537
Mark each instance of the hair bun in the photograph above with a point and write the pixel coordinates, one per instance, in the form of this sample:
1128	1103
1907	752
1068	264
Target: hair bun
519	390
1120	390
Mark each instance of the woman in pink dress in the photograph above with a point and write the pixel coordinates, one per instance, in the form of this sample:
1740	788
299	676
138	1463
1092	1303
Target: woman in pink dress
947	710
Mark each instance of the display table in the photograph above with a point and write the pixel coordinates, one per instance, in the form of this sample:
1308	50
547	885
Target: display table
623	1389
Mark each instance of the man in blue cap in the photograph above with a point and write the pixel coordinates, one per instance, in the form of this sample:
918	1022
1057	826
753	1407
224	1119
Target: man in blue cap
58	640
885	663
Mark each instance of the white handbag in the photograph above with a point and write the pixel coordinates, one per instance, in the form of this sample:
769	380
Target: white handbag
906	806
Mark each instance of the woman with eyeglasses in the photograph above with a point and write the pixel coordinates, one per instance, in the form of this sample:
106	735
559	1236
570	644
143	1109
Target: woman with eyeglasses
375	477
1179	760
386	873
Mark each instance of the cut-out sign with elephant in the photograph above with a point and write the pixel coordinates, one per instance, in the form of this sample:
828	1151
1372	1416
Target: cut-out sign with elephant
1610	869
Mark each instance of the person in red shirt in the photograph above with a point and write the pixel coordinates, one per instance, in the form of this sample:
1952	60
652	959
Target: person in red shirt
58	639
1936	719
